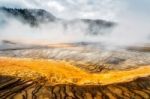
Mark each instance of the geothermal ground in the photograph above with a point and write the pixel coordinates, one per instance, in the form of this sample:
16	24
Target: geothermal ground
71	71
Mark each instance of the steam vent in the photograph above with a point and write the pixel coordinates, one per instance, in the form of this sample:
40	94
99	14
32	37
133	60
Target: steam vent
74	49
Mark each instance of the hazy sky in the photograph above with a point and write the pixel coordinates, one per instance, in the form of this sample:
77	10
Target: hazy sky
132	16
95	9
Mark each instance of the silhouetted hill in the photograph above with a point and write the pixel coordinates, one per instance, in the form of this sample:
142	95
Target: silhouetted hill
31	16
35	17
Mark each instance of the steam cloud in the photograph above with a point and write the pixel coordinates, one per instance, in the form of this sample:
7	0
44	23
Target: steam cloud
47	33
132	28
70	9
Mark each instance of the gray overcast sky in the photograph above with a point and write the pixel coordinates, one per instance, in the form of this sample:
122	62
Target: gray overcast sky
140	6
95	9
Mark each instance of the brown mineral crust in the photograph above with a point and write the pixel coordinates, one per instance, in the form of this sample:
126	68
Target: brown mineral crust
139	88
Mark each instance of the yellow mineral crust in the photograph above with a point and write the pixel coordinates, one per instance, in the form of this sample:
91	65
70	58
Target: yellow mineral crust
61	72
